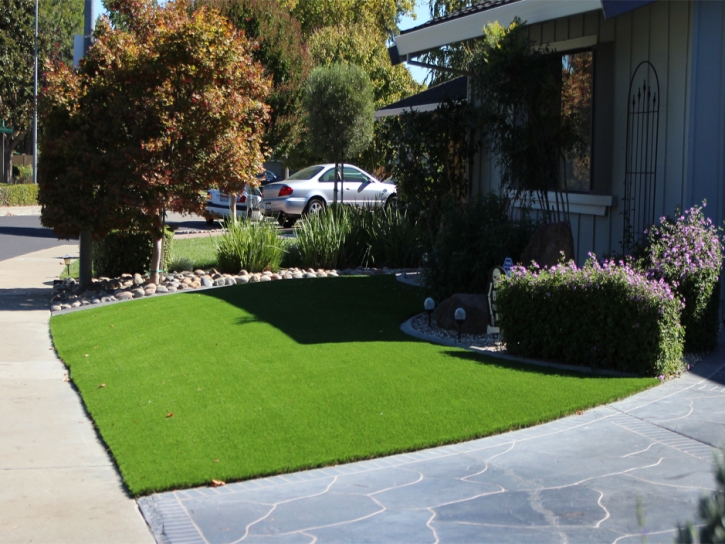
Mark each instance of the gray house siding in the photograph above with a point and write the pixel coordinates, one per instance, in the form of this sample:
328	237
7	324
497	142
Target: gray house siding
706	126
662	34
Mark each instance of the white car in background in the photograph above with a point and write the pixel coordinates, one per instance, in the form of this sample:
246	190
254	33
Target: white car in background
217	204
311	190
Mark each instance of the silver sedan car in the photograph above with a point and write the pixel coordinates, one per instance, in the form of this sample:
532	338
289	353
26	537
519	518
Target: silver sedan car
312	190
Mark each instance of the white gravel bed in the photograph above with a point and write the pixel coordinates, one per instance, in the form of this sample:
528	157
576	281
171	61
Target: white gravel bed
66	294
486	342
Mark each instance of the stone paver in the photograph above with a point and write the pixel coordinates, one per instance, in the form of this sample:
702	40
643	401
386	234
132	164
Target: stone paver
57	483
577	479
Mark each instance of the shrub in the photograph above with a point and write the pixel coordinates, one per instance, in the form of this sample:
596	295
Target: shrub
254	246
473	238
18	195
321	237
128	253
687	253
347	236
592	316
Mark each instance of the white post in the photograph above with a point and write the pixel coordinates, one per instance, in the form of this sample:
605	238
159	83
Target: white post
35	101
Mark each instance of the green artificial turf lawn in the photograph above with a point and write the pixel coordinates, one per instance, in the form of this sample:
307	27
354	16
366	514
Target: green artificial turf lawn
274	377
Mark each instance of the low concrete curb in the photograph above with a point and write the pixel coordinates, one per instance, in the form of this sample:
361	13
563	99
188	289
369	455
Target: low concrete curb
19	210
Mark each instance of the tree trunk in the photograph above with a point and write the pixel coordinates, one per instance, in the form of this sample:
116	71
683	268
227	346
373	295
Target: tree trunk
10	145
233	208
157	255
85	273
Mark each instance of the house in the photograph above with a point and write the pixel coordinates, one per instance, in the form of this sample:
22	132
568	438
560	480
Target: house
657	104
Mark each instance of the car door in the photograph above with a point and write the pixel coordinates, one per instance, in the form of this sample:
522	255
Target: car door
326	185
365	190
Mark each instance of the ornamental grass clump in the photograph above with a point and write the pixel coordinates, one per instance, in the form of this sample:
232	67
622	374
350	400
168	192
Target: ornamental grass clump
687	253
254	246
606	316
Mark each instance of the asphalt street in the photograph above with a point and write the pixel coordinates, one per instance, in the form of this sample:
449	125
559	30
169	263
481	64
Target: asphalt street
24	234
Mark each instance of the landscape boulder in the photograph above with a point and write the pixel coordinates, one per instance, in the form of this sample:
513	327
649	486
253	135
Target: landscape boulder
476	307
546	245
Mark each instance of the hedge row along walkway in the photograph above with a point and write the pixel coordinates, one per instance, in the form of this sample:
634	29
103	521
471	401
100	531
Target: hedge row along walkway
57	483
577	479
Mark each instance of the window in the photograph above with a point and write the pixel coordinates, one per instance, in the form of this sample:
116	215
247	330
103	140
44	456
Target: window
328	176
577	84
352	174
307	173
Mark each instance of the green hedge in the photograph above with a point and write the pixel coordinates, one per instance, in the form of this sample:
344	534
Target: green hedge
121	253
609	317
18	195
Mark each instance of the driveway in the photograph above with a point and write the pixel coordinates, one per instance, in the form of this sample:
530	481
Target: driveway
618	473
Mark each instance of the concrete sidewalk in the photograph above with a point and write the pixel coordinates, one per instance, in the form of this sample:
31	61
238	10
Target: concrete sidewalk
57	483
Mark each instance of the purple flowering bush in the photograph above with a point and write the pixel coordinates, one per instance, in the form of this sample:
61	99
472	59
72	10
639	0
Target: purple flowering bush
687	253
602	315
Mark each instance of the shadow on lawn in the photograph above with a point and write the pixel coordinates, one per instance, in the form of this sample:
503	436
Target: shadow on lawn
331	310
481	358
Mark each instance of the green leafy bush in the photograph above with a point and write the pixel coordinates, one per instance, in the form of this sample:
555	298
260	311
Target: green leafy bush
687	253
25	194
589	317
128	253
347	236
472	238
428	155
254	246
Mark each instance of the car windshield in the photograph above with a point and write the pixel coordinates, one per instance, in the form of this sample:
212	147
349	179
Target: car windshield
307	173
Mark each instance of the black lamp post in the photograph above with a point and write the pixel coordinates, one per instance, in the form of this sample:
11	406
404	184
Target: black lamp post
460	317
66	259
429	306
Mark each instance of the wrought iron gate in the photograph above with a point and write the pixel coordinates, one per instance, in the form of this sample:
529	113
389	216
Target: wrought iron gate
640	177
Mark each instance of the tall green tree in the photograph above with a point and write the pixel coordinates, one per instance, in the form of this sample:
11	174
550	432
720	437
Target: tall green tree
286	60
339	104
383	15
157	113
58	22
17	23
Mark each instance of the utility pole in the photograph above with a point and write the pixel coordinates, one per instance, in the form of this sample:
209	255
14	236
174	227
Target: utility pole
85	272
35	101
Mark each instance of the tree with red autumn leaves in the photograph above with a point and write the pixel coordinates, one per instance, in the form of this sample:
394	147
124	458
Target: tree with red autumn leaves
158	112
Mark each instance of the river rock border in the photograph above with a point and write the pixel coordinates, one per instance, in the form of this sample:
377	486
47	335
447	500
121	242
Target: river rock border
66	294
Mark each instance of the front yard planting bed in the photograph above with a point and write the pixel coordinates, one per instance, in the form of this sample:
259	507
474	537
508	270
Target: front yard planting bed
267	378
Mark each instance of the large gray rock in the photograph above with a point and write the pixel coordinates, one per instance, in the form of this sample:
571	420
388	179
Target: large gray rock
124	295
206	281
476	307
547	243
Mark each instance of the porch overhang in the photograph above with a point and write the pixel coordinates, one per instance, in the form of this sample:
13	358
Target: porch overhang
428	100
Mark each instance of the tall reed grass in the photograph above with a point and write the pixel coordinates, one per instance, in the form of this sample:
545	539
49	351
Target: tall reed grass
253	246
346	236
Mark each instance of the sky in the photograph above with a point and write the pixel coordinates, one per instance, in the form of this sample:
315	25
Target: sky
423	14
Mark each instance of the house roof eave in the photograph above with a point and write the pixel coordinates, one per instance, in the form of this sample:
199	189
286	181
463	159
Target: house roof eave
471	26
